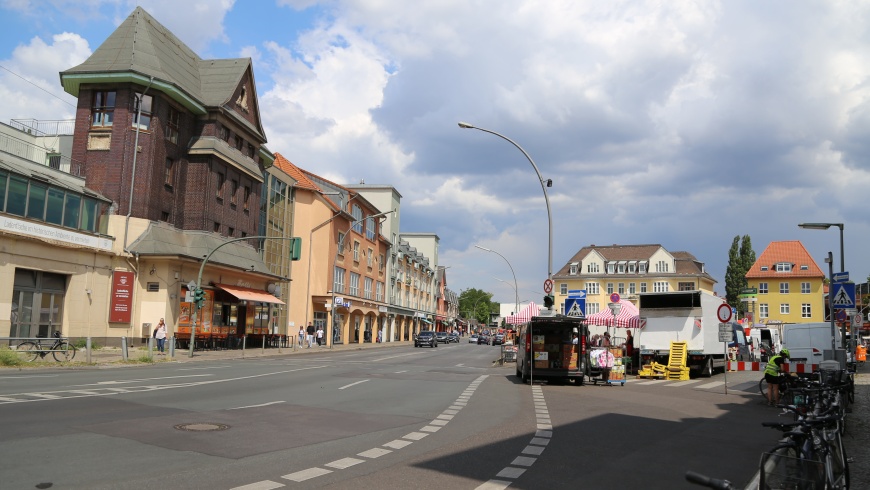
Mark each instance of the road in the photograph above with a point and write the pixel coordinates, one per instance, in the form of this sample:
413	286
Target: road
393	417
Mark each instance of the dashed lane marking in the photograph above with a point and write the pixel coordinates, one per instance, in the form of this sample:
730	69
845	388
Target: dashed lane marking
308	474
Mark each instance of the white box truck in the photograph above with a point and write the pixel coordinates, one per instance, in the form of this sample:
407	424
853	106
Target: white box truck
689	316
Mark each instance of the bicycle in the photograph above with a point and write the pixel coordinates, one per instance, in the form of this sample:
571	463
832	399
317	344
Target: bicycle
61	350
787	382
705	481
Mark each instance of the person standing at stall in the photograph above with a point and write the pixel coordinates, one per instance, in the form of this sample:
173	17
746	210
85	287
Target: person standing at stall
629	343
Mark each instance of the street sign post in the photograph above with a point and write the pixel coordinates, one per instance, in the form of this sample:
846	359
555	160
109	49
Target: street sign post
840	277
724	313
844	295
614	298
548	286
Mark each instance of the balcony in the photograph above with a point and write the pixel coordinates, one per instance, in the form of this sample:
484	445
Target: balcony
42	156
44	128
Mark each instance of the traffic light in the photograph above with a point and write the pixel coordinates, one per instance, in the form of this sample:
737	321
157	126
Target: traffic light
198	297
549	301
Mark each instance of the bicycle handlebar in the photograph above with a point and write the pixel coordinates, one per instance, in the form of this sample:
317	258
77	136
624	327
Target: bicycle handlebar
708	482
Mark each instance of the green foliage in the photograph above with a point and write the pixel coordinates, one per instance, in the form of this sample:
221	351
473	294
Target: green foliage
8	357
741	257
82	343
476	304
145	358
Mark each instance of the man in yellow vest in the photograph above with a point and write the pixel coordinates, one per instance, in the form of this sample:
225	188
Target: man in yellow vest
771	374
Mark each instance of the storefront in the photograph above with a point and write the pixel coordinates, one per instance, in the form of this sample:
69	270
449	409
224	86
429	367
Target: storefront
230	312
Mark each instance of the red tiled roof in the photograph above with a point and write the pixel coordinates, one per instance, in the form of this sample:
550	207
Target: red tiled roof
302	180
790	252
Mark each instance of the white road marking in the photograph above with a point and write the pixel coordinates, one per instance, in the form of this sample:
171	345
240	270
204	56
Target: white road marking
430	428
511	472
393	357
397	444
523	461
30	376
710	385
438	422
652	382
374	453
353	384
125	381
543	433
494	485
255	406
400	372
683	383
536	450
306	474
343	463
414	436
203	368
260	485
545	426
540	441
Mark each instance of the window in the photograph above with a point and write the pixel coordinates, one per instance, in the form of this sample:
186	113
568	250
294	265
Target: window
53	160
169	173
367	289
783	288
643	287
217	227
354	284
142	110
341	243
103	109
36	201
592	288
620	288
762	288
806	310
338	281
250	152
805	267
164	216
220	185
356	212
621	268
686	286
611	267
563	289
660	287
632	267
172	123
246	197
356	251
239	143
370	228
641	267
379	293
231	231
71	210
381	262
592	308
805	288
609	288
224	134
661	266
784	309
234	190
631	288
593	268
764	268
783	267
763	311
573	269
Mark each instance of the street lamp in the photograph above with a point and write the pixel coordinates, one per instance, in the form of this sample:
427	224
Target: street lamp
516	289
825	226
544	185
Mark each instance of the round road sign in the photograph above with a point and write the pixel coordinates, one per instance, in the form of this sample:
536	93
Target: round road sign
724	312
614	298
548	286
841	315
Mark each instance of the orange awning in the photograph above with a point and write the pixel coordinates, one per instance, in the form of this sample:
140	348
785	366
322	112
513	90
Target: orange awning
249	294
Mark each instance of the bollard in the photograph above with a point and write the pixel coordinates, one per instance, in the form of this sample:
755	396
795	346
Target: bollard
264	344
151	347
172	347
244	341
124	348
88	350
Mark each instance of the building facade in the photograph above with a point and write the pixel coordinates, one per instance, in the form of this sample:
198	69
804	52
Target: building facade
628	270
790	286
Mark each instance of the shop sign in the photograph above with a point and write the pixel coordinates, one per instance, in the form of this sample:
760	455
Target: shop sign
122	297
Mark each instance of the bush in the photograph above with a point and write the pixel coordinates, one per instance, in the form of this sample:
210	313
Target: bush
145	358
82	343
9	357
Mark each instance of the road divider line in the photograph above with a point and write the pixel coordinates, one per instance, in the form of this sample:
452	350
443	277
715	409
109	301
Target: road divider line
353	384
260	485
256	406
308	474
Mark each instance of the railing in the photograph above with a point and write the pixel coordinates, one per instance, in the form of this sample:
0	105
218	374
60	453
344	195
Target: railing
44	128
39	155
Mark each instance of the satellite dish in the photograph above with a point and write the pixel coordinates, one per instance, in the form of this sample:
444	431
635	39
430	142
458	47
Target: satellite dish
271	288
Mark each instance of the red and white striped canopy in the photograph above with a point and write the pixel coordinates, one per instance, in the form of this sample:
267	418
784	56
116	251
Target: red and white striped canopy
524	315
628	317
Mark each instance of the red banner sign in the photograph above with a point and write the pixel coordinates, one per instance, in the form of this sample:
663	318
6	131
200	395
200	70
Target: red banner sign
122	297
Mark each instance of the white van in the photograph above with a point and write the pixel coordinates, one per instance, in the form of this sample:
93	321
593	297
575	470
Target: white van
806	342
765	343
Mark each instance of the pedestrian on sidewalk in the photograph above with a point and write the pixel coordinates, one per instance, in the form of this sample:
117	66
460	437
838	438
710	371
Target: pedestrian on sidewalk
320	341
301	335
310	334
160	335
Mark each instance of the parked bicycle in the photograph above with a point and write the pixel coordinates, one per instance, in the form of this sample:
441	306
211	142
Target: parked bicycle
60	349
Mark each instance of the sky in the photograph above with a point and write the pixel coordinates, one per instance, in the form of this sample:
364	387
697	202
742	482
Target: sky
679	123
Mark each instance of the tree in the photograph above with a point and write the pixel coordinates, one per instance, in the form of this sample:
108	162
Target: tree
475	304
741	257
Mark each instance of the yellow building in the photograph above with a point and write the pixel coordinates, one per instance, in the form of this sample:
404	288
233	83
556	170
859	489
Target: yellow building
628	270
790	285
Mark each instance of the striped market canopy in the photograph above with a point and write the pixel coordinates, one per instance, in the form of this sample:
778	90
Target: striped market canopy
628	317
524	315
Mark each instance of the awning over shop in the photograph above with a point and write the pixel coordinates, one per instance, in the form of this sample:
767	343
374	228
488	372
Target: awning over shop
249	294
628	317
424	320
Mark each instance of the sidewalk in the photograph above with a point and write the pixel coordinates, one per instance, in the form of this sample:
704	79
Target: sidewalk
112	356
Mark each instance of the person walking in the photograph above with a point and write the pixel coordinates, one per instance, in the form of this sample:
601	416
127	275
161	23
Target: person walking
301	335
160	335
319	334
310	331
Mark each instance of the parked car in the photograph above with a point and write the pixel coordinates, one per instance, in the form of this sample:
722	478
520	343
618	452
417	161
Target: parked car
498	339
453	337
483	339
442	337
472	339
426	337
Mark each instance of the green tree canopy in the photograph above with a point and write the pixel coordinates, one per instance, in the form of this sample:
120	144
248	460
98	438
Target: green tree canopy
741	257
476	304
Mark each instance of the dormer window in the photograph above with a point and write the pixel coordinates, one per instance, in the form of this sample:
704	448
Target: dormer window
611	267
805	267
783	267
641	267
573	269
764	268
632	267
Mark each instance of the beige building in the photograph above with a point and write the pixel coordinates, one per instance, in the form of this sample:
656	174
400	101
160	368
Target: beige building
789	286
628	270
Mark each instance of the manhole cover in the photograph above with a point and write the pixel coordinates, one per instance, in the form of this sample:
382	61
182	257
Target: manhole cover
202	427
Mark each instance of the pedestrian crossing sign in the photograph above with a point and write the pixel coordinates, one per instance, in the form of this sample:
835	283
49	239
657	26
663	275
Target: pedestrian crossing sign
844	295
574	307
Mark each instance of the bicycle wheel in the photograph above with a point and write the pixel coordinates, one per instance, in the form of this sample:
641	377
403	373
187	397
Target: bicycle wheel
837	462
762	387
27	351
785	466
63	352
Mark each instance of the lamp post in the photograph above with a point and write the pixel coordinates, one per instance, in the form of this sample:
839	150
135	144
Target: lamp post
825	226
544	185
516	289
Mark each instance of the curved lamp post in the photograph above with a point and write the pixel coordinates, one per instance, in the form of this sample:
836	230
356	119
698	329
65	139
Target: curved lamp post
544	185
516	289
830	261
825	226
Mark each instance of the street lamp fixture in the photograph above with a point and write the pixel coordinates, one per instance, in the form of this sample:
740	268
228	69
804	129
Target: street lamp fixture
544	185
825	226
516	289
